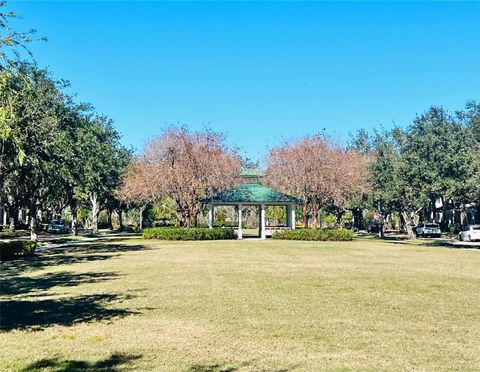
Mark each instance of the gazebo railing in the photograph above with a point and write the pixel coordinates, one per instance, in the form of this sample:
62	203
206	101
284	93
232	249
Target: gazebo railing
270	230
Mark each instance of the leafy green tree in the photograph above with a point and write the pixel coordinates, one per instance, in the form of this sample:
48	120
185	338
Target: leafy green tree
430	160
103	161
12	42
28	147
470	117
64	170
438	151
276	215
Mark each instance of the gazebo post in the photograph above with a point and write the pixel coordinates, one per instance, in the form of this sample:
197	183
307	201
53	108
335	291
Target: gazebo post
263	234
240	235
210	216
292	216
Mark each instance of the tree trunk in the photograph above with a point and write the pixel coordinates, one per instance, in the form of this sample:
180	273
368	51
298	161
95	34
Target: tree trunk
40	216
185	219
120	218
73	208
463	215
339	217
433	214
408	224
305	213
315	210
381	228
443	220
33	221
140	218
109	218
95	210
195	218
403	224
11	216
357	218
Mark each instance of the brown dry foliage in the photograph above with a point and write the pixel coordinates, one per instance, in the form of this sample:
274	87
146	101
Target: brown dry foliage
135	186
319	171
186	166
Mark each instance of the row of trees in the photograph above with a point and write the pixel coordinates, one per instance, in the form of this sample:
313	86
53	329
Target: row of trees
54	153
410	172
190	166
432	164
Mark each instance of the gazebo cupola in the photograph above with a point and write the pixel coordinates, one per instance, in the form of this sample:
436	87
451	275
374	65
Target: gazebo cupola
252	193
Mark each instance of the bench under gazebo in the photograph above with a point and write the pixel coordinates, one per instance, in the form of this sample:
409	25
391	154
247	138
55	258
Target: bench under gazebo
256	195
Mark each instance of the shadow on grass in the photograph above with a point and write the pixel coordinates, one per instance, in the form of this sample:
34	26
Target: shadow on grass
23	305
98	247
62	240
386	237
112	363
428	243
211	368
448	244
39	314
395	238
222	368
68	255
12	286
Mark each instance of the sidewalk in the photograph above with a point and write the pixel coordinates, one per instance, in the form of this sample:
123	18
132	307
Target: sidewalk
440	242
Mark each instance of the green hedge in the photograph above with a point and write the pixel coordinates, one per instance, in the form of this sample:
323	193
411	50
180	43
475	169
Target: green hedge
179	233
20	248
314	234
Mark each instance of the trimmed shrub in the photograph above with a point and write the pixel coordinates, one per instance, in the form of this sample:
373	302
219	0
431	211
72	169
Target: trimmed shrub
314	234
16	249
188	233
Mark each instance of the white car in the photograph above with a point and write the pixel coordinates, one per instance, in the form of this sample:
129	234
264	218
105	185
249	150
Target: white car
470	233
428	229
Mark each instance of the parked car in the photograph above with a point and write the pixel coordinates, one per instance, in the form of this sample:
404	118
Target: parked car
58	227
428	229
470	233
373	227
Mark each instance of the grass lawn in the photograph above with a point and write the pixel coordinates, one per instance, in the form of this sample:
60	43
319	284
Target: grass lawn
242	306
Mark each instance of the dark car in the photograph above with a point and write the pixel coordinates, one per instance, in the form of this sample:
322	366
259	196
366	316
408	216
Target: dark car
374	227
58	227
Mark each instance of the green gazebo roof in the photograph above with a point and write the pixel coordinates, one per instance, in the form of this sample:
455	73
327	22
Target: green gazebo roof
252	193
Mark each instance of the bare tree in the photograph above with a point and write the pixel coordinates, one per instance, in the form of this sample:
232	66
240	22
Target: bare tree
319	171
135	189
186	166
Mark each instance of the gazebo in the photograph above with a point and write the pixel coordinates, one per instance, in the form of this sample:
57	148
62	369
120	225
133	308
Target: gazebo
252	193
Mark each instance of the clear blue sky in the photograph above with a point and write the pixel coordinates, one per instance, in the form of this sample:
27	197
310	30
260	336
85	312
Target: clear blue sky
260	72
